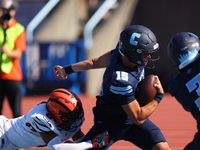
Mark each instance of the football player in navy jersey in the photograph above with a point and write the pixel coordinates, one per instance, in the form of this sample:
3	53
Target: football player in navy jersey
183	52
117	109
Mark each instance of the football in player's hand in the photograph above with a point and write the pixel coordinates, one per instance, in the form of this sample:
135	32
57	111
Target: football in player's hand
146	92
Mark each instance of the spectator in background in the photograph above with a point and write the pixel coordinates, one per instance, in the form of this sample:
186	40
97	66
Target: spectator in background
12	45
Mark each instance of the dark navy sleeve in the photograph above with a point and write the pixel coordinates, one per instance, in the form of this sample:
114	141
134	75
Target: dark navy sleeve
123	87
176	91
173	87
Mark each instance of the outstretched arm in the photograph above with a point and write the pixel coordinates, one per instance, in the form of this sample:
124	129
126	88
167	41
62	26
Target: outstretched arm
48	136
78	136
98	141
99	62
140	114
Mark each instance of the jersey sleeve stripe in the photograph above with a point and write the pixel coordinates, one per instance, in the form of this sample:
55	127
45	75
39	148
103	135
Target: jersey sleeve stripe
121	90
41	127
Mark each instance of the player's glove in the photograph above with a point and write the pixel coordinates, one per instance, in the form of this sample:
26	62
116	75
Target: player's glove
101	140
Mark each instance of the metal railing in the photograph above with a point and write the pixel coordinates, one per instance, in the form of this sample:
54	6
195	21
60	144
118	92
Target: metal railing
38	18
94	20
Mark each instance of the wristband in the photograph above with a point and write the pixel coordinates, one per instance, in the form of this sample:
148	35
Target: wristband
159	97
68	69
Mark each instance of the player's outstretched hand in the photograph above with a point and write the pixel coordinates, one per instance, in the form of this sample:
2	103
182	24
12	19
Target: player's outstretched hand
101	140
59	72
158	85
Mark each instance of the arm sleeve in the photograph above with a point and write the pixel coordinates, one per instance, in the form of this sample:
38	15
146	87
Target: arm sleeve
79	140
55	144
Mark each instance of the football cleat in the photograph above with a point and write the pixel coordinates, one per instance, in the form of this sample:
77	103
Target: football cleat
100	140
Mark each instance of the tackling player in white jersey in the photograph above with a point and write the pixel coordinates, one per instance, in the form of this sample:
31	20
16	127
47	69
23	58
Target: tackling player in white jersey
49	123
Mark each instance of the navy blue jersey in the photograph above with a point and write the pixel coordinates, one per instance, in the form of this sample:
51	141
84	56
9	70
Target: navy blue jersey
118	88
185	87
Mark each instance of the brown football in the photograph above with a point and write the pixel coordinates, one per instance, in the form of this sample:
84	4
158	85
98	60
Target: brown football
146	92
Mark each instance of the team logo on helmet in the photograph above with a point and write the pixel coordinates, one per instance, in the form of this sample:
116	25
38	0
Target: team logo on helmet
186	59
156	46
132	39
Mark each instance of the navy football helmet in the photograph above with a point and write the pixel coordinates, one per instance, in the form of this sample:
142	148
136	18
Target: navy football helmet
136	39
183	49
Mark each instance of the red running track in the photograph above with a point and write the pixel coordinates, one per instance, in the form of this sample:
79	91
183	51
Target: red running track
177	125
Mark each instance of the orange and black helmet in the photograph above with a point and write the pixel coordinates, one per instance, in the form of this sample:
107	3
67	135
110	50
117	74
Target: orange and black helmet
66	109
